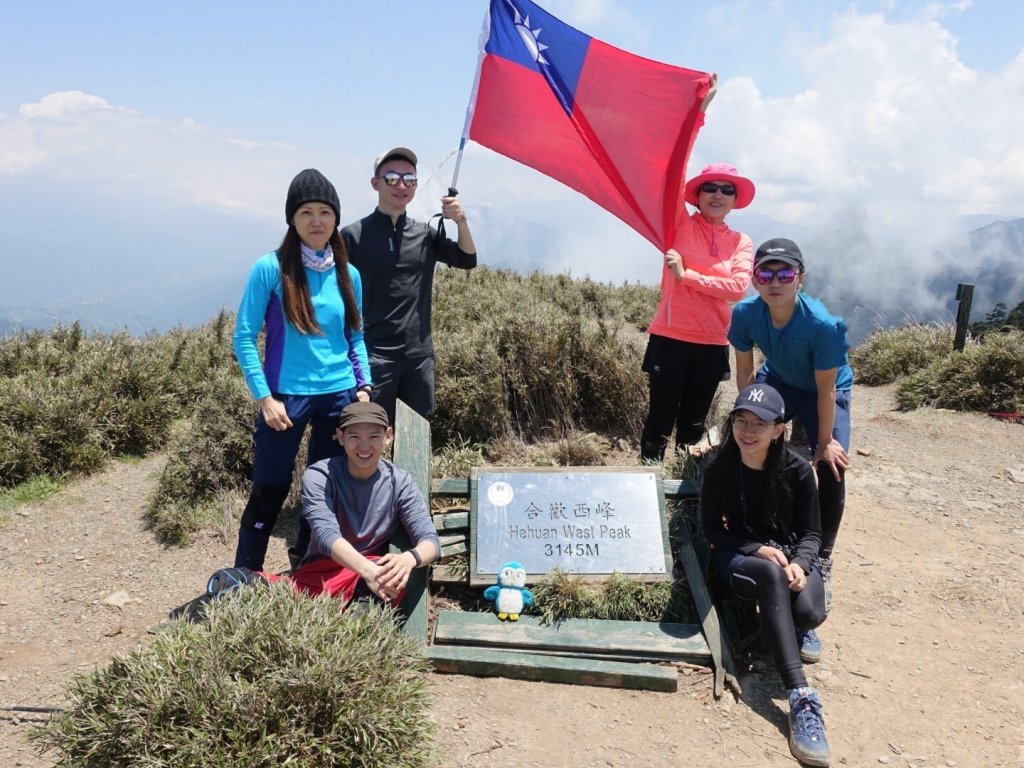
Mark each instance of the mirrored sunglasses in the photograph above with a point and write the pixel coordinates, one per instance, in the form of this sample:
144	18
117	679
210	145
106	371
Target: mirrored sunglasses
786	275
391	178
710	187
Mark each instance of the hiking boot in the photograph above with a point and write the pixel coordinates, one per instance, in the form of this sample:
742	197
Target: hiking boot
807	739
825	566
810	646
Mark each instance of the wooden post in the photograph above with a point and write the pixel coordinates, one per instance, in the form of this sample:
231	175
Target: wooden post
964	294
412	453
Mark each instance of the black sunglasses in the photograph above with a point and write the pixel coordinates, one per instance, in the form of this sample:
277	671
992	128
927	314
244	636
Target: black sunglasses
391	178
710	187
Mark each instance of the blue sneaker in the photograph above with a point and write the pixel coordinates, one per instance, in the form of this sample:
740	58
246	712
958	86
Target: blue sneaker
807	739
810	646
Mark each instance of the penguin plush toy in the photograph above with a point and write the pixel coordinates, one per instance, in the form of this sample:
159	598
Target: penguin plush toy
510	594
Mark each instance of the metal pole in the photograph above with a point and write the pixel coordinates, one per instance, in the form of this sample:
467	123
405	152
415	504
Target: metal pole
964	294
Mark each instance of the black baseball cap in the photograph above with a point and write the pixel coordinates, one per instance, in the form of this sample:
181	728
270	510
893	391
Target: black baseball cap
779	249
761	400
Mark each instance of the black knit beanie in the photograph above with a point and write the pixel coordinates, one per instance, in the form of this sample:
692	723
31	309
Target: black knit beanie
311	186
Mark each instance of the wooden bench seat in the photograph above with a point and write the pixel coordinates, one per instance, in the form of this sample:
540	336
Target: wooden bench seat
633	640
494	662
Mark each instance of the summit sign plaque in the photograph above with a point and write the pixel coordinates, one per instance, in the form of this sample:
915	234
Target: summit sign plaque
588	521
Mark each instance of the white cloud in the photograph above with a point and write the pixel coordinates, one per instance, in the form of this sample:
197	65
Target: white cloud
82	140
938	10
591	13
892	117
250	144
65	104
18	151
893	138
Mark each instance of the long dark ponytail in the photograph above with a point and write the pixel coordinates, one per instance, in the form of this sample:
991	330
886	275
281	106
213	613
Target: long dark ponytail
298	307
725	472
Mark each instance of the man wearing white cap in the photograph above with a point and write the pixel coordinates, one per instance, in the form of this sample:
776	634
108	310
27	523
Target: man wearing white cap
396	256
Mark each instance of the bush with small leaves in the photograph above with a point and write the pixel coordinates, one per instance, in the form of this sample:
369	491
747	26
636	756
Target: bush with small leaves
564	595
267	679
889	354
210	456
72	400
534	357
987	377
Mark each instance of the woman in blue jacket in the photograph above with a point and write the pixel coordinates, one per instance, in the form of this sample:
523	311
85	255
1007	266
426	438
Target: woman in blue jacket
805	351
309	299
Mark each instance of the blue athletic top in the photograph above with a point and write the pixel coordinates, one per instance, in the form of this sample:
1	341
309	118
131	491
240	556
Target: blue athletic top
812	340
299	363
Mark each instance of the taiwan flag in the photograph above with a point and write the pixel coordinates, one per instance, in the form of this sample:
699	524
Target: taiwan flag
614	126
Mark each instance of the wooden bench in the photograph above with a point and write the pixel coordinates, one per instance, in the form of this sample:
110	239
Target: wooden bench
590	652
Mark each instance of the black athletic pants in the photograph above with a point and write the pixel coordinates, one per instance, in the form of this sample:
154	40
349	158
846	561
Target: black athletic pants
782	612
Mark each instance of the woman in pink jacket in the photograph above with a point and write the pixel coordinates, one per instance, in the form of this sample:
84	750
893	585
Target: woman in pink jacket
707	268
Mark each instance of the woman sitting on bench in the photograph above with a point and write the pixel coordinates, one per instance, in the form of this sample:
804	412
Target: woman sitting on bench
760	514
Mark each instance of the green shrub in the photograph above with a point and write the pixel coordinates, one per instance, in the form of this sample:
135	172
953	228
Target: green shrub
71	400
579	449
563	595
889	354
268	679
984	377
50	428
193	355
212	455
456	460
534	357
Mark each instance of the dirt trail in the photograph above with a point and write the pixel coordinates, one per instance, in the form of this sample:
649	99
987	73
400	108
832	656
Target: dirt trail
923	659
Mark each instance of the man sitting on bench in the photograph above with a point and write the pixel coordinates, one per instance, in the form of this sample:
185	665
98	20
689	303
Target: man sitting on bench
354	504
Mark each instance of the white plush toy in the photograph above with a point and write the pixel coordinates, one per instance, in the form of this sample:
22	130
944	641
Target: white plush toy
510	594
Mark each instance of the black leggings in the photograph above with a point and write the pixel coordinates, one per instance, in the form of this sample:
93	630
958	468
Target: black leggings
782	612
679	405
832	503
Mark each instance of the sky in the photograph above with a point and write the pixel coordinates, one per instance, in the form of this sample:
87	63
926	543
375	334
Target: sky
146	147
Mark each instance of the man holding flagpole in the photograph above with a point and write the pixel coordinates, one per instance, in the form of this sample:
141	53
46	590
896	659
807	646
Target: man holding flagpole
396	256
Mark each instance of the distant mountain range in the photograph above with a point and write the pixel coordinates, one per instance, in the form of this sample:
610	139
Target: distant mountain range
989	258
868	288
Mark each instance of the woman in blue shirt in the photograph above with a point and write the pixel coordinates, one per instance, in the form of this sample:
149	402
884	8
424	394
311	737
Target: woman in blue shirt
806	360
309	299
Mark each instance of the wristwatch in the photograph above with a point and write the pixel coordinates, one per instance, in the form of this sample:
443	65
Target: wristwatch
416	557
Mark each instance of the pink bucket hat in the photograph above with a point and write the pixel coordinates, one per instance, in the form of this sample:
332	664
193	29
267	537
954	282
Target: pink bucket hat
723	172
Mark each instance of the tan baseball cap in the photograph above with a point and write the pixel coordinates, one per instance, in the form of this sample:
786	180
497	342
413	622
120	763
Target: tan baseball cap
403	152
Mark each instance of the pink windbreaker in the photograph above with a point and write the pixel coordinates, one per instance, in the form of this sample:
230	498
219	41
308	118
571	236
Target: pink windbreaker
718	265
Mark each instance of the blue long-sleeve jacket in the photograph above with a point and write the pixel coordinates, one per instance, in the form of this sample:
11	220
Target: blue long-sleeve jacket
299	363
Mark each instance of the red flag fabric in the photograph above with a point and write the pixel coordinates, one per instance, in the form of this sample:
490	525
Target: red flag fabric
612	125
